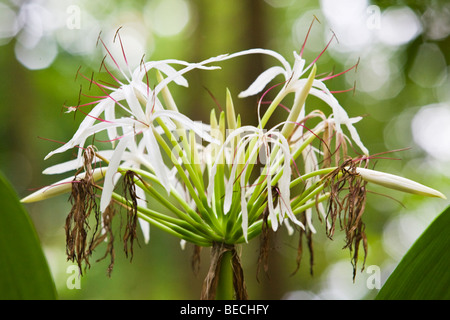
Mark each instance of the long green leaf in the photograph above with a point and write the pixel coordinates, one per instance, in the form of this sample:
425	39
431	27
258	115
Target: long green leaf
424	272
24	272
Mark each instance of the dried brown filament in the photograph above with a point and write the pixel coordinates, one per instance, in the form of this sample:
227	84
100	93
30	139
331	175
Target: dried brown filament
304	234
83	200
263	257
130	234
347	204
108	236
77	222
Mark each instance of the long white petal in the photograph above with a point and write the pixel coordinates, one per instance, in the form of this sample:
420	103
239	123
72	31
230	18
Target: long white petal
197	127
156	159
170	72
108	185
88	122
164	66
74	164
340	116
133	102
189	67
284	182
272	53
145	226
235	164
261	82
110	115
272	214
244	213
230	138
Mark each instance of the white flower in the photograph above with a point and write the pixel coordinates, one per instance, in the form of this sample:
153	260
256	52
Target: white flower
143	110
275	147
294	84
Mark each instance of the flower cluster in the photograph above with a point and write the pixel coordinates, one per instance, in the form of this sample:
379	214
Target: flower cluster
222	183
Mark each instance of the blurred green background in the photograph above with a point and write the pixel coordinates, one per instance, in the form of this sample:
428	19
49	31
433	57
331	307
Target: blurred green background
402	89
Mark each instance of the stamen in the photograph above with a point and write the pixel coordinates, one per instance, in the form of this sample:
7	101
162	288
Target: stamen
92	78
112	140
103	65
91	116
109	84
323	51
279	105
264	94
121	46
100	86
214	98
355	66
307	35
60	142
346	90
76	74
142	63
114	60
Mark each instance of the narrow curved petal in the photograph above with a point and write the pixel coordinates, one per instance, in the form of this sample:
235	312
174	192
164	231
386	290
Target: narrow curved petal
268	52
213	171
261	82
340	115
133	102
74	164
145	226
108	185
156	159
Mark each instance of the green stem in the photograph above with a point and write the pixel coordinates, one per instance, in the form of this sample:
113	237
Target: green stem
225	289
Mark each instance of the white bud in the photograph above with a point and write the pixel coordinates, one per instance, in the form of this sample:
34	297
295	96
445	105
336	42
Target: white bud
398	183
60	187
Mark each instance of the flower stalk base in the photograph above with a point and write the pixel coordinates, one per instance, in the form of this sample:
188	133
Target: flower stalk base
225	278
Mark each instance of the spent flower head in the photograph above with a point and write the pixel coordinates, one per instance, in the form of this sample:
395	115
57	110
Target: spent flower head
223	184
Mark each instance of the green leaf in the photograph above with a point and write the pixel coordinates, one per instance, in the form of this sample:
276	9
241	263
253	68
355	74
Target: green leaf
424	272
24	272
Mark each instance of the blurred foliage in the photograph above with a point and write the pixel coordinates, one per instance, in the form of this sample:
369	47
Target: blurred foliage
423	274
32	113
24	269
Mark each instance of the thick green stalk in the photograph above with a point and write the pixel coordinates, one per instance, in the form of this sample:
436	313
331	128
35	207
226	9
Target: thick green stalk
271	109
225	289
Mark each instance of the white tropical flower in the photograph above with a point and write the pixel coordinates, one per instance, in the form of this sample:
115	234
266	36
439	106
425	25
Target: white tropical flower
143	110
274	147
294	83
